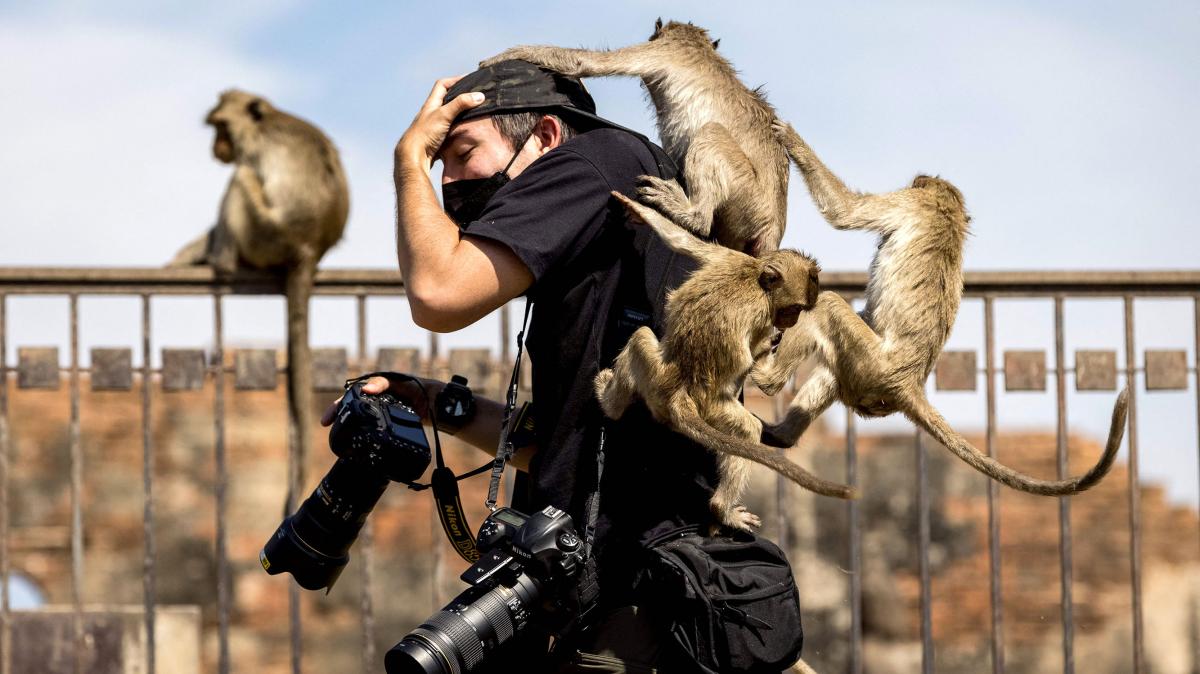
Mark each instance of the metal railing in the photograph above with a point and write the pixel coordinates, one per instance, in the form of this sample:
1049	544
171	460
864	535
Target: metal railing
956	371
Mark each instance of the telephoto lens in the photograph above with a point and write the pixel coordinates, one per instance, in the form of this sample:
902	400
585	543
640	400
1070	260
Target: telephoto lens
525	576
377	439
470	628
314	544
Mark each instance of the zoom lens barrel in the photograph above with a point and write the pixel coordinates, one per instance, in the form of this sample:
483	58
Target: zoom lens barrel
313	544
467	631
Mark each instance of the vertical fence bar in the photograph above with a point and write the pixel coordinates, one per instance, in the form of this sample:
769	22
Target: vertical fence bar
854	551
76	494
367	537
295	482
1135	496
1064	503
148	554
1195	357
923	555
222	479
993	489
5	611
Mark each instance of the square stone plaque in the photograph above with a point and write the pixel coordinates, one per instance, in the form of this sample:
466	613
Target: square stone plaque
956	371
255	369
399	359
37	367
1095	370
112	369
475	365
183	369
1166	370
1024	370
329	369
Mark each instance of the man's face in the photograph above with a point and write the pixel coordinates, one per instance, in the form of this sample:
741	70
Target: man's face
475	149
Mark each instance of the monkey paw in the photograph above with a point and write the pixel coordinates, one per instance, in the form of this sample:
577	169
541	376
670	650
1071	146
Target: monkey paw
781	129
667	197
602	380
743	519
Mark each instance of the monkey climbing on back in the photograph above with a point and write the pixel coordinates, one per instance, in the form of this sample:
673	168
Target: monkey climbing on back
285	206
722	319
712	125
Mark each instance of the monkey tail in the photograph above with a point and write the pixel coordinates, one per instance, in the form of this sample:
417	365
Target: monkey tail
923	414
687	421
299	371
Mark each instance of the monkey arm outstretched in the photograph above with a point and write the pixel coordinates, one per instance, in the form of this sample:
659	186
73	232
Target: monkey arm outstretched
841	207
634	61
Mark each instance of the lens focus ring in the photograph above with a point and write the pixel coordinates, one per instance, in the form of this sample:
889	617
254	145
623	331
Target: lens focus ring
495	610
453	628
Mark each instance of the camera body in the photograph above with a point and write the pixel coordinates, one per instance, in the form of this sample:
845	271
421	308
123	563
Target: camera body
377	439
528	572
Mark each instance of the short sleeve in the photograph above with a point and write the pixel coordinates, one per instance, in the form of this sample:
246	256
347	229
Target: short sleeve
549	213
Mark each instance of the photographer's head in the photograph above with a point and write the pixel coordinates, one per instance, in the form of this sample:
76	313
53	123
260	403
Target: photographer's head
527	111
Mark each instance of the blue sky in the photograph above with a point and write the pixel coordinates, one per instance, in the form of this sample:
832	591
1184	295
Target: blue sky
1070	128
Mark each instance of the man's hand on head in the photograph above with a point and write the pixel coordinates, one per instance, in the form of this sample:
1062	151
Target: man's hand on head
419	145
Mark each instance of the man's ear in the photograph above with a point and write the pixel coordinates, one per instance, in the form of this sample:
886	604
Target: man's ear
549	133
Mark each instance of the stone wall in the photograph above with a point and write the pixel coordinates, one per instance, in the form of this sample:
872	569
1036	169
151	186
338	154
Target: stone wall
415	570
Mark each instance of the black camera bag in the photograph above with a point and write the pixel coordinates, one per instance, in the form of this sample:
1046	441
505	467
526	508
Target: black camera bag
730	603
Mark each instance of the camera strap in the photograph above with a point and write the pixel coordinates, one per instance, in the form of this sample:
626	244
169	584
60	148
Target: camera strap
505	449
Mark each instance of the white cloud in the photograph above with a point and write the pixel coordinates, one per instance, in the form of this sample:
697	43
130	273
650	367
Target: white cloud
107	161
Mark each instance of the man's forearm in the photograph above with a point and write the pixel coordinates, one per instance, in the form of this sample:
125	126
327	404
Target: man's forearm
425	237
483	431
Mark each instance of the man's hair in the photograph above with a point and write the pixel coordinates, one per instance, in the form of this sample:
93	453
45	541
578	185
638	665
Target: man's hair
515	127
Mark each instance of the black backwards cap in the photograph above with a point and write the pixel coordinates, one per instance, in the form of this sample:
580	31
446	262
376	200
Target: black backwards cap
515	86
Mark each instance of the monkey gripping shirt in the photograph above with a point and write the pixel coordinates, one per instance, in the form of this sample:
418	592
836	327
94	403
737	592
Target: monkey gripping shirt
597	277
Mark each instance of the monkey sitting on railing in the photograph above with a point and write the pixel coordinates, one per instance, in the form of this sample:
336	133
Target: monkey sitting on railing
285	206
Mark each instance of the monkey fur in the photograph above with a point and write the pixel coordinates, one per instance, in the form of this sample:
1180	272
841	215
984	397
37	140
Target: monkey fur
876	362
711	124
285	206
722	319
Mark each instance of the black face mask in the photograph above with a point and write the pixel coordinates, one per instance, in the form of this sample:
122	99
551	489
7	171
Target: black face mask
464	200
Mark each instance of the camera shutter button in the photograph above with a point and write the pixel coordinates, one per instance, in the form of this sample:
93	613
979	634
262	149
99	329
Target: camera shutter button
568	541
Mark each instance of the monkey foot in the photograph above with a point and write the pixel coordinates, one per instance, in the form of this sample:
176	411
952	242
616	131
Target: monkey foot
743	519
668	198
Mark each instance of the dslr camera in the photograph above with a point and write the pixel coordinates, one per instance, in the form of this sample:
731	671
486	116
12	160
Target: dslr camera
529	573
377	440
532	570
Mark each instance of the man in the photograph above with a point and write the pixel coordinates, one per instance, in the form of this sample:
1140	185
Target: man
528	169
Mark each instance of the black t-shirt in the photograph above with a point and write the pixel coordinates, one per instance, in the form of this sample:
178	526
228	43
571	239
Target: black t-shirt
596	279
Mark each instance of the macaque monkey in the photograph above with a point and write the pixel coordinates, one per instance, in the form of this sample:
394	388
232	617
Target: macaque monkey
711	124
285	205
876	362
722	319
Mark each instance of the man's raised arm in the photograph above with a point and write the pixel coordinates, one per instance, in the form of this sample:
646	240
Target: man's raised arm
451	282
